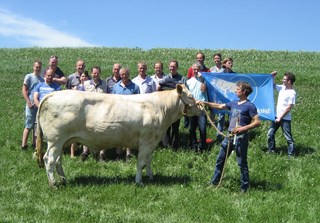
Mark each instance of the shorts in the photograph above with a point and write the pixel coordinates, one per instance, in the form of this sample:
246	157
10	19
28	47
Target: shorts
30	117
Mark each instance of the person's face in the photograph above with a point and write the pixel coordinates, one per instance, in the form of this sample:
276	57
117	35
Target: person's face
124	75
83	77
37	68
200	58
285	81
158	69
173	68
115	70
80	66
95	74
229	64
239	92
195	69
53	62
49	76
142	69
217	60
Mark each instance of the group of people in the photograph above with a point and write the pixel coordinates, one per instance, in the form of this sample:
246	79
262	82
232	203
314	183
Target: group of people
243	113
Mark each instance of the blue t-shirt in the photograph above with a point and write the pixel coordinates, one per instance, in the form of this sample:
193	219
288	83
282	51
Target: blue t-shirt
43	89
241	114
131	88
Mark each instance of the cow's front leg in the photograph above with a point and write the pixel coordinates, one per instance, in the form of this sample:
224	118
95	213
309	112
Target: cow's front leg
149	172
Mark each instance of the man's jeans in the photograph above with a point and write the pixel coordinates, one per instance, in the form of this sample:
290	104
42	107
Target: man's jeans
241	148
286	129
200	121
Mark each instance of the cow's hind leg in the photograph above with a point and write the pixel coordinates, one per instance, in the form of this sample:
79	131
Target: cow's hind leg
50	158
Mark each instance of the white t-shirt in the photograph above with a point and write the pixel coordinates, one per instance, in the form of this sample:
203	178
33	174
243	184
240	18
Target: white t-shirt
286	97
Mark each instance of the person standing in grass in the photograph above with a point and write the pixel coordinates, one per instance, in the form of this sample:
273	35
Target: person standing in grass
80	87
126	87
227	65
198	88
29	84
243	117
169	82
200	58
96	84
286	101
74	79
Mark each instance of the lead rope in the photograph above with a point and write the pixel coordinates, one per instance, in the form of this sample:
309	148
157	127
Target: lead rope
220	133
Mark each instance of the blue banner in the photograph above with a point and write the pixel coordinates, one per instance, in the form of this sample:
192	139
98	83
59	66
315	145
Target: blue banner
221	89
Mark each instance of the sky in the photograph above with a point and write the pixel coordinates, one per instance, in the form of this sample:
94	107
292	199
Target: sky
288	25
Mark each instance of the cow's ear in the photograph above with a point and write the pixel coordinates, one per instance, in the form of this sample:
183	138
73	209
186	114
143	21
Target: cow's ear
179	88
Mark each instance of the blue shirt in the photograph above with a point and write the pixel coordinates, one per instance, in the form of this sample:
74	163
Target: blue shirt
241	114
194	85
31	81
131	88
43	89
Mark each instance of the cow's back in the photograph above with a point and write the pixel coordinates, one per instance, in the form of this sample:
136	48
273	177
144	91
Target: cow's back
106	120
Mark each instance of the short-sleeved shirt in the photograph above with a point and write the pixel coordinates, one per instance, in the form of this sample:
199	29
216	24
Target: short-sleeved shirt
157	79
146	85
131	88
73	80
170	81
241	114
110	82
31	80
286	97
43	89
194	85
215	69
90	86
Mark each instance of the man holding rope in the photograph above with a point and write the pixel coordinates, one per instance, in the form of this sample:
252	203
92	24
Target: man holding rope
243	117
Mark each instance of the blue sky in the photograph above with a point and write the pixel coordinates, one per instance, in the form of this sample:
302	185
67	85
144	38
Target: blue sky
290	25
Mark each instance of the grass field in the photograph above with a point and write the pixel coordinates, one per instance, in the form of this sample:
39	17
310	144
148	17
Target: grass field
282	189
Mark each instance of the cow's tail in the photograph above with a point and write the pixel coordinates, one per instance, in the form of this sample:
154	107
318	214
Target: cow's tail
39	151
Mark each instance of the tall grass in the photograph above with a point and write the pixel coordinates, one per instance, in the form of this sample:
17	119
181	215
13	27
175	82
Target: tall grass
282	189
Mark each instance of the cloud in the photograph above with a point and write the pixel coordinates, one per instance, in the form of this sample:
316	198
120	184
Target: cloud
32	33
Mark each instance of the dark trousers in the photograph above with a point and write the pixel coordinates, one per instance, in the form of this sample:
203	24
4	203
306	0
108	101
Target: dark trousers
173	134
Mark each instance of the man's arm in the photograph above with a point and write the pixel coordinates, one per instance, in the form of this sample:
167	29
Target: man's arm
215	105
36	99
25	92
61	80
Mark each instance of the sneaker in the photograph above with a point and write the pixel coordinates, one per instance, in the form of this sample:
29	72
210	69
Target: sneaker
25	147
84	156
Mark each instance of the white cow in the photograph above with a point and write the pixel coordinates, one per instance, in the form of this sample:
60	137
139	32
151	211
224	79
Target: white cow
108	121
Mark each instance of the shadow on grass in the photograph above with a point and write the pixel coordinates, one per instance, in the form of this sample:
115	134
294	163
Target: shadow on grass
265	186
301	150
158	180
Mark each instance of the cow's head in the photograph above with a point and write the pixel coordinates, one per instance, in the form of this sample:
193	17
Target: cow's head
191	108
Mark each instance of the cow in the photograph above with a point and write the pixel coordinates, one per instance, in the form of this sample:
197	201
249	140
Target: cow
102	120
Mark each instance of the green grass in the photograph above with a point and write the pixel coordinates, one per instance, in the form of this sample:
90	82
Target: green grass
282	190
